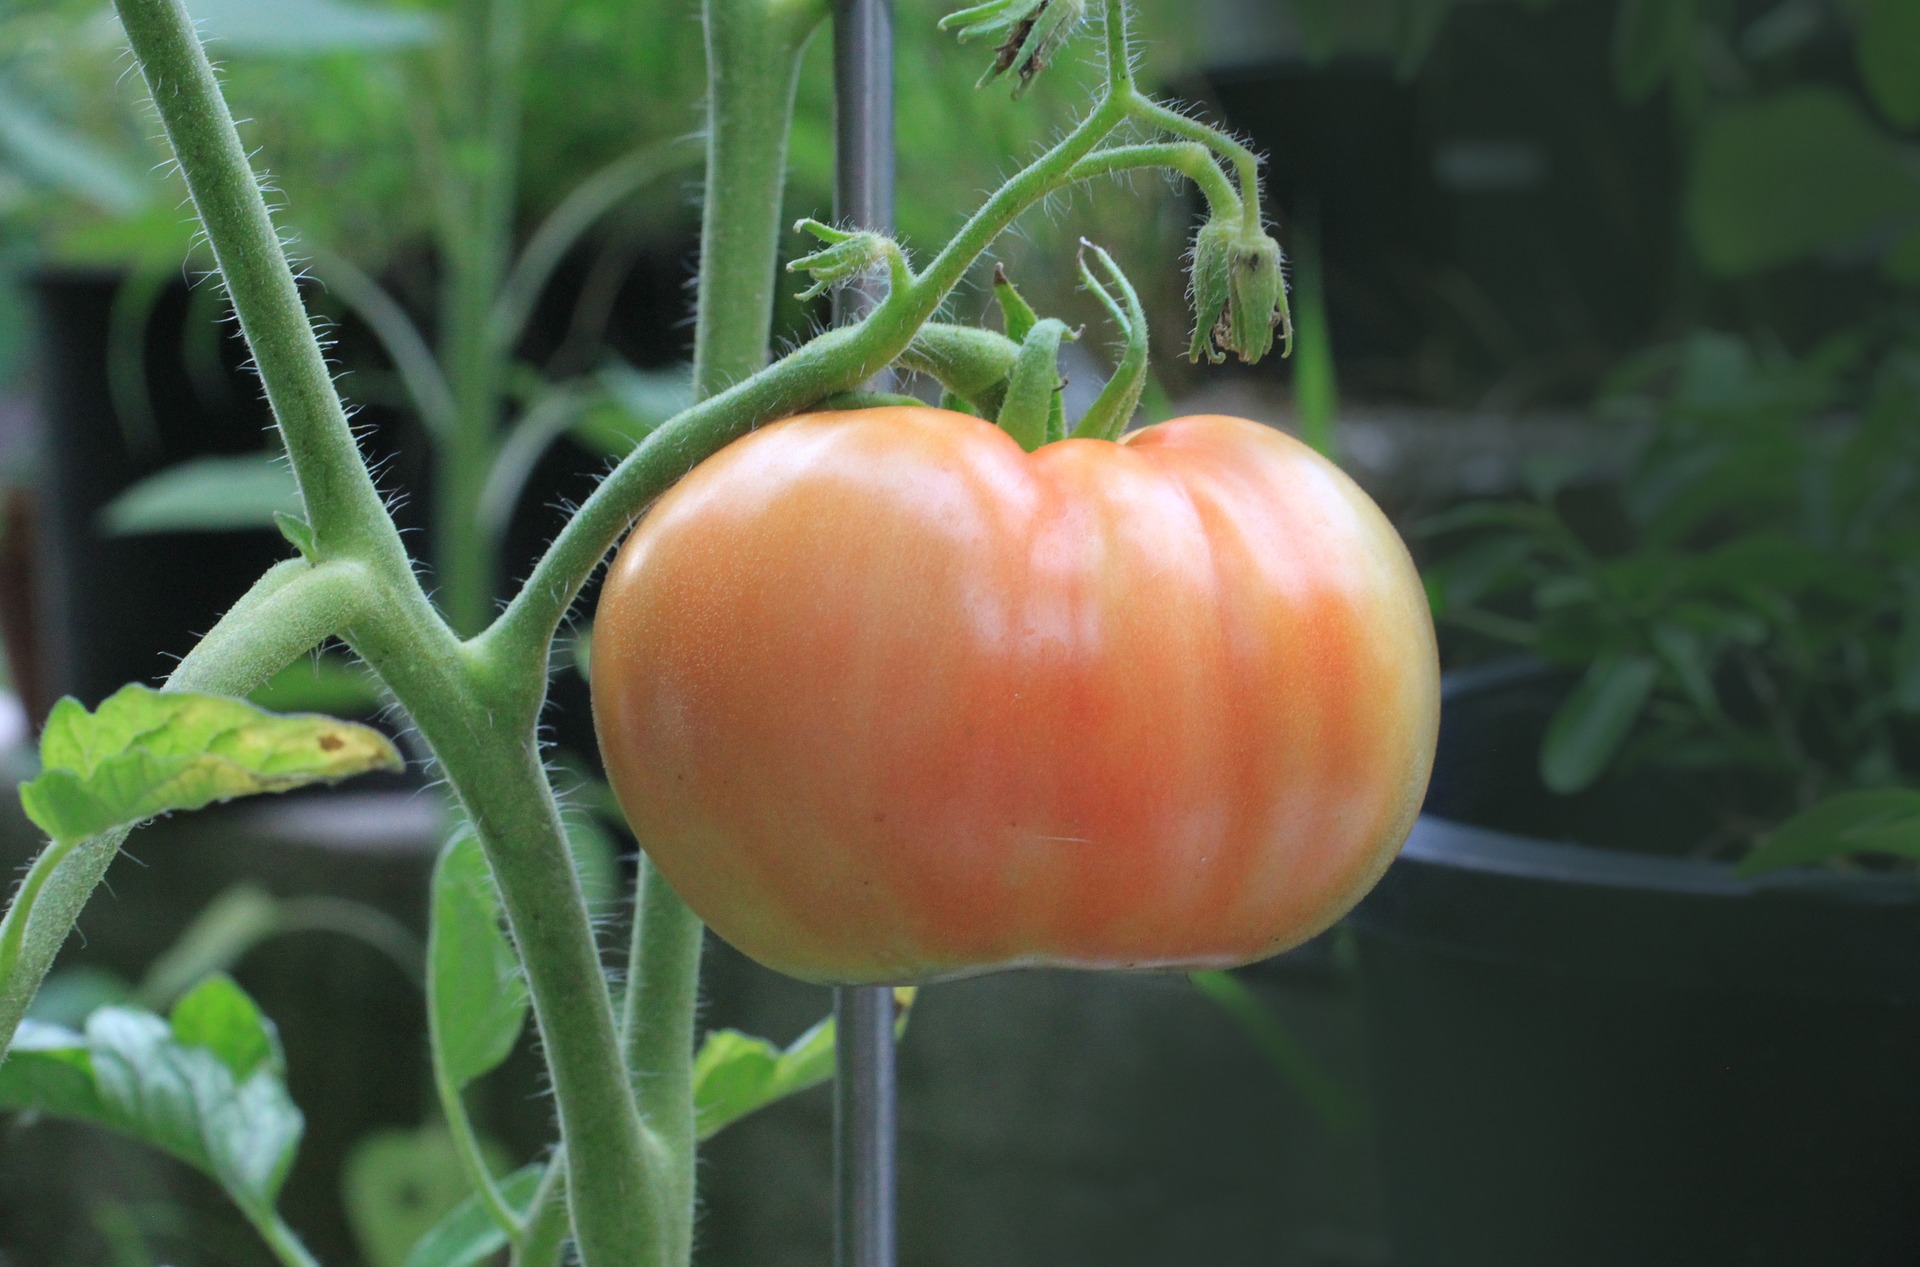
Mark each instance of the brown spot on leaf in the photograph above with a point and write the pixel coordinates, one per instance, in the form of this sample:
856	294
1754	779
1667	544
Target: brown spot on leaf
331	743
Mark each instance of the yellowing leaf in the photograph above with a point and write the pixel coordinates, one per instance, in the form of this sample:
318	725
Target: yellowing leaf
147	752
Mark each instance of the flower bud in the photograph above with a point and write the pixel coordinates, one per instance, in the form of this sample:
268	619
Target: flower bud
1239	293
846	256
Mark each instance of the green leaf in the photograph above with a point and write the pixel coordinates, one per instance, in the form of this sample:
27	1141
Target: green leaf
476	996
735	1074
207	1088
302	27
147	752
1804	171
1890	59
1594	721
468	1235
218	1016
1880	820
1649	39
215	494
398	1186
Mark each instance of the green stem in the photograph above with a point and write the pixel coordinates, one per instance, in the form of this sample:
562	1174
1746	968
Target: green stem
753	70
482	730
1189	158
1246	163
479	720
284	1243
344	508
663	980
467	1145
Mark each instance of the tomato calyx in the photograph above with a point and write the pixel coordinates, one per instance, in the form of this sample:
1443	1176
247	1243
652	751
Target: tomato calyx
1031	32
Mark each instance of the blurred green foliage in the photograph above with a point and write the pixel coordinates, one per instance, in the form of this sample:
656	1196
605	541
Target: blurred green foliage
1743	606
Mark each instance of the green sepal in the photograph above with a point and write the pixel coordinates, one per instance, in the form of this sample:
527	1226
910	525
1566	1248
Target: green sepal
968	362
1017	314
869	400
1114	408
1034	386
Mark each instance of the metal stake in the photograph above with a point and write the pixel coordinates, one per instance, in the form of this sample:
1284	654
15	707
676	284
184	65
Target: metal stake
863	1084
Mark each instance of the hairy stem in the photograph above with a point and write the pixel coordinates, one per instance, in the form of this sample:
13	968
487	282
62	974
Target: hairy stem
753	69
1189	158
663	985
1246	163
344	509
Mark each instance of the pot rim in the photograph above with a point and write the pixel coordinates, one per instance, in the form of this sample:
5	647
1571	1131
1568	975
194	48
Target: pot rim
1443	842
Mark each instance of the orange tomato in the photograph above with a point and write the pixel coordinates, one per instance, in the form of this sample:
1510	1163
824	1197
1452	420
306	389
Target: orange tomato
887	699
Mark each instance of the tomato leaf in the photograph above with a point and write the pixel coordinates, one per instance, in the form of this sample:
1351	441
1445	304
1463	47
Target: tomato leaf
207	1087
1595	720
146	752
468	1235
476	997
735	1074
1890	59
1880	820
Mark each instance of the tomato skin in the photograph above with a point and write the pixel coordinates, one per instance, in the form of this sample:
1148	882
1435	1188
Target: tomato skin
887	699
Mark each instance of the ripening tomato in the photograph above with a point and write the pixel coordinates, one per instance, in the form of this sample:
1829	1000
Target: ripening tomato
888	699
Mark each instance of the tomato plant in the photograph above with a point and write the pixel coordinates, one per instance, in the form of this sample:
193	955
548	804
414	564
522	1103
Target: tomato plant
887	699
889	693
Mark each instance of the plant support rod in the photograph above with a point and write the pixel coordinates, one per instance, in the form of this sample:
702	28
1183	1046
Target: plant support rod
863	1084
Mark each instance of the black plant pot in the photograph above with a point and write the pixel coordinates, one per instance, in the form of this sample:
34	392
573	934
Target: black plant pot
1588	1056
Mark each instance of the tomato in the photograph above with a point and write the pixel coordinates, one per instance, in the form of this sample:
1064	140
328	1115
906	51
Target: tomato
887	699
